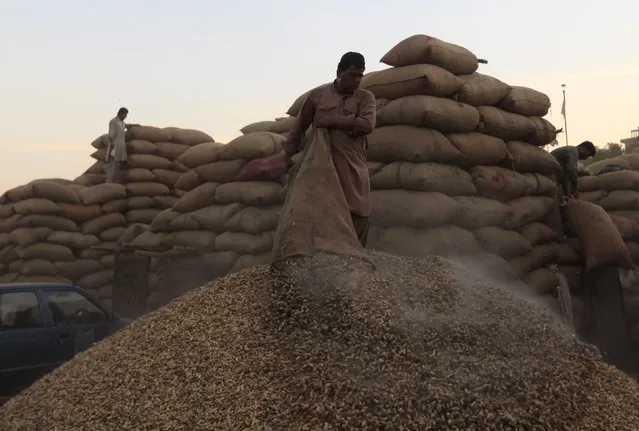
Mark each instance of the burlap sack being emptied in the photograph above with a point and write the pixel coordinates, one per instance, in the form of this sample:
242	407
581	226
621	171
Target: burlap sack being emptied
315	217
601	241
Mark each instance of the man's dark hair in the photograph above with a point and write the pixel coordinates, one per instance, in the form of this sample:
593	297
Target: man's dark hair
589	146
123	111
351	59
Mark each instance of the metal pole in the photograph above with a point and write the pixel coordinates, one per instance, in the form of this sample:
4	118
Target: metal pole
563	86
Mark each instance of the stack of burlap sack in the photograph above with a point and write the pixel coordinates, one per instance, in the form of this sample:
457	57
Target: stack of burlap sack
229	220
456	165
48	230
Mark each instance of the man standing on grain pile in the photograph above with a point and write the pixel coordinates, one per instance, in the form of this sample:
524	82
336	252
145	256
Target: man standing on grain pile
348	113
116	155
569	157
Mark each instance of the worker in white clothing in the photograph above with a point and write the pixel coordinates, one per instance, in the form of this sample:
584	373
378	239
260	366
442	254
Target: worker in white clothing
116	155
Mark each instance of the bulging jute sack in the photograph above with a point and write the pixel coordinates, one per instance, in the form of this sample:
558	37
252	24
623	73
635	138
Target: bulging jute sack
148	161
170	150
422	49
200	197
98	167
502	242
97	279
115	206
525	101
24	236
136	146
476	212
254	220
184	222
250	193
628	229
630	215
428	177
132	232
411	144
146	189
620	200
51	189
38	220
445	115
223	171
426	79
73	240
77	268
106	221
270	168
201	154
279	126
544	132
528	158
478	149
594	168
190	137
147	133
502	124
140	203
164	202
43	250
36	206
478	89
145	216
102	193
252	146
100	142
216	217
611	181
411	209
632	160
540	185
188	181
537	233
166	177
162	222
602	243
445	240
489	264
138	175
528	209
112	234
499	183
315	216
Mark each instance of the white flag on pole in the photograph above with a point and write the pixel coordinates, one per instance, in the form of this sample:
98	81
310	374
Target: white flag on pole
563	107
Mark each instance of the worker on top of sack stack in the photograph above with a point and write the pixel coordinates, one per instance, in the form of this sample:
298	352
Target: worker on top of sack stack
567	177
348	113
116	155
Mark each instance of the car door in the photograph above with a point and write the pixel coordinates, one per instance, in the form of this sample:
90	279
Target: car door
29	347
78	320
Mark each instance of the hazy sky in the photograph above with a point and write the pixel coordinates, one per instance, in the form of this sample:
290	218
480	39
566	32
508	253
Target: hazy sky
68	65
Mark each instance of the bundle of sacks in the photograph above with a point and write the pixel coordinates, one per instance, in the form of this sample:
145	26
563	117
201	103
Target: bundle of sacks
229	220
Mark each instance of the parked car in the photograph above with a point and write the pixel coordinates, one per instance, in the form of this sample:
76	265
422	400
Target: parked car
43	325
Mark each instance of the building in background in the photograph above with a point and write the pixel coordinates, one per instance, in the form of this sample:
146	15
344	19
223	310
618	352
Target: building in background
632	142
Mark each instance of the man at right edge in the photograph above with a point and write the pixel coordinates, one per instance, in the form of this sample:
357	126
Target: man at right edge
348	113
